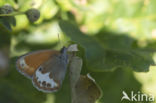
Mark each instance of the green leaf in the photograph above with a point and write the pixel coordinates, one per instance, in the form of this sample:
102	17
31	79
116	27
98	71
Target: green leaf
89	43
5	37
8	22
108	52
16	1
5	23
113	83
12	20
15	88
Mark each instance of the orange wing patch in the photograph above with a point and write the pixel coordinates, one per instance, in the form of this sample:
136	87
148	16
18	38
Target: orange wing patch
28	63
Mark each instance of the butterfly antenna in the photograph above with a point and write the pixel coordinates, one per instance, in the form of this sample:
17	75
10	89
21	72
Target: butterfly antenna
59	41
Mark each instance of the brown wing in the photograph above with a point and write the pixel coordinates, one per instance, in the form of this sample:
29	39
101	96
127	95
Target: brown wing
28	63
50	75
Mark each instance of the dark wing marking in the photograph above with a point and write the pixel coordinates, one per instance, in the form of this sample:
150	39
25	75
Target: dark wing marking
49	76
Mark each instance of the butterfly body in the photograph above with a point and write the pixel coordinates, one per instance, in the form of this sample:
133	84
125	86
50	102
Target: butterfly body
46	68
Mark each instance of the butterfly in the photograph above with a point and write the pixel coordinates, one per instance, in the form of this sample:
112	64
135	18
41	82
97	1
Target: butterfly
46	68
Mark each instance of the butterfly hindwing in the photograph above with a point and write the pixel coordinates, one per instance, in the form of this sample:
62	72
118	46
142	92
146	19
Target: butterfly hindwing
49	76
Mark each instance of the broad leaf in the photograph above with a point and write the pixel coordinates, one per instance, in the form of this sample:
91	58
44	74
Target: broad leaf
106	53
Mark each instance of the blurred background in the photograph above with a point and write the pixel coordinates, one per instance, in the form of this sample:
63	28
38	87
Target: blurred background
118	38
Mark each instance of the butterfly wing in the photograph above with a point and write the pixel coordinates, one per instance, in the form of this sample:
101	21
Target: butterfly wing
28	63
49	76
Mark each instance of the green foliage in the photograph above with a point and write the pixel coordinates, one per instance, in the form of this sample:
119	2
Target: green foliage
5	41
17	88
115	38
7	21
106	51
7	15
113	83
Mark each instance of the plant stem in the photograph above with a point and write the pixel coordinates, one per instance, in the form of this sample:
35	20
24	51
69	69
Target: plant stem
13	14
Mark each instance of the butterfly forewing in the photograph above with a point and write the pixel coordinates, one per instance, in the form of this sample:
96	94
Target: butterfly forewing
27	64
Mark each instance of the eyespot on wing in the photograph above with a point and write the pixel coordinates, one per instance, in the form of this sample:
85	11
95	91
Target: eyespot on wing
44	82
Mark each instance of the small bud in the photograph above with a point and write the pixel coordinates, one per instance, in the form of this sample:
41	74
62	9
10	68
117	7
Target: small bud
33	14
6	9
